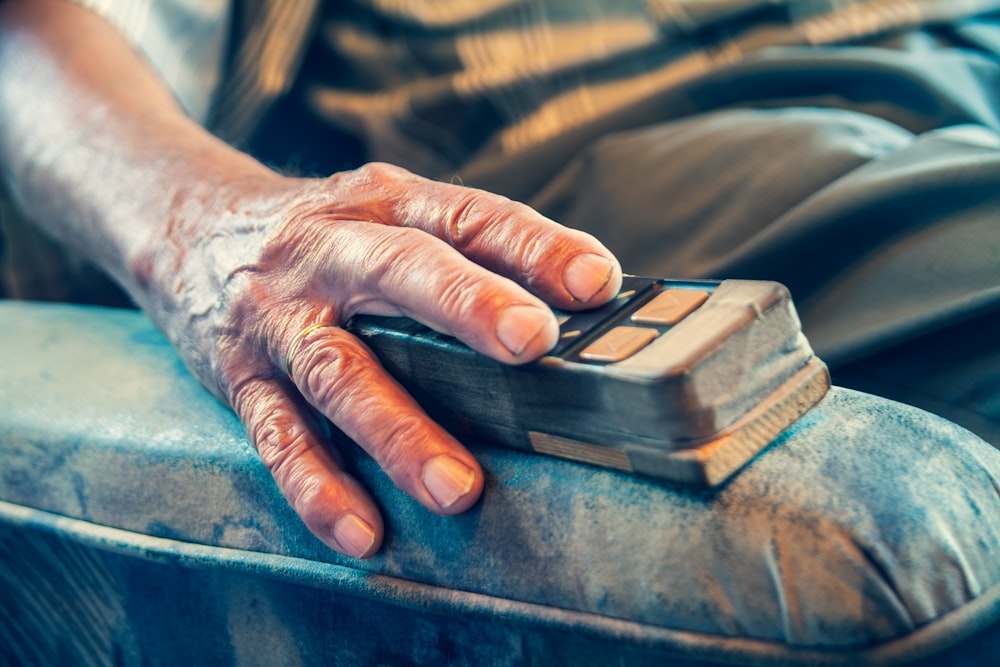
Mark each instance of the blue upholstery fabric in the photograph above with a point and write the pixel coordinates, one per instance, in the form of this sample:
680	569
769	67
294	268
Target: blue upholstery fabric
137	526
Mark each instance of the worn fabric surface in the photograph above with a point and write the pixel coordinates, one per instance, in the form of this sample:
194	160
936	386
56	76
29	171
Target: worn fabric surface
866	533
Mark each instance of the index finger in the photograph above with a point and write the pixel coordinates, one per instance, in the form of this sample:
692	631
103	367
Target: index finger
568	268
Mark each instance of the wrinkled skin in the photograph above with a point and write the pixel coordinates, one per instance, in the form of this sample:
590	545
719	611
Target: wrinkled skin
378	240
238	265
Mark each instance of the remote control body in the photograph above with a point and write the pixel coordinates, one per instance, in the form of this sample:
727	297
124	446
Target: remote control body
684	381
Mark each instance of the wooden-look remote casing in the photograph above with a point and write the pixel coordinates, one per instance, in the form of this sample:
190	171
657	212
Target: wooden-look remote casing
680	380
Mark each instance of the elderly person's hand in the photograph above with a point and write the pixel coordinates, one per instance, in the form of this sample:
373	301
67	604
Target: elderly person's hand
252	274
254	296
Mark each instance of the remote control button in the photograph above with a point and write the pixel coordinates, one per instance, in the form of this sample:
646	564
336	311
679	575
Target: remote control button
570	335
669	306
624	295
618	344
573	325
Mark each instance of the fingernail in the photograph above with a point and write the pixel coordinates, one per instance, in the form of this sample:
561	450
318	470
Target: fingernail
520	324
586	275
448	480
354	535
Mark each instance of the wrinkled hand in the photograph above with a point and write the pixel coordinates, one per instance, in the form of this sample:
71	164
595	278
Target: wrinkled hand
241	294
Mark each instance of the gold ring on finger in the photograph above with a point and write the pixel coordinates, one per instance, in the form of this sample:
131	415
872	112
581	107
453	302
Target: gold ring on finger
297	342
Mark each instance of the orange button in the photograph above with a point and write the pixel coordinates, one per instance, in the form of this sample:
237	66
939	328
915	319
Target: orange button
669	306
618	344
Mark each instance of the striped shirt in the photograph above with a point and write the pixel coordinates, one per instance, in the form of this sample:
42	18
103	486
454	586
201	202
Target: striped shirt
444	87
545	67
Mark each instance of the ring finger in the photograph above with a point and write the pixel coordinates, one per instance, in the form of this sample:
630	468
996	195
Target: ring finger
338	375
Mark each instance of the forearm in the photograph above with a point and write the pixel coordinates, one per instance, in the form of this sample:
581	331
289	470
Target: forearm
95	147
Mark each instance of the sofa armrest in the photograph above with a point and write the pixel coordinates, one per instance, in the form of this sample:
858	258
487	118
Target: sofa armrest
867	533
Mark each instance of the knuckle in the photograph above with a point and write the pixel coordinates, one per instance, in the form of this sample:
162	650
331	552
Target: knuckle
465	220
274	433
371	182
399	261
486	226
400	437
277	443
540	253
377	171
392	252
337	376
282	442
345	380
475	215
463	296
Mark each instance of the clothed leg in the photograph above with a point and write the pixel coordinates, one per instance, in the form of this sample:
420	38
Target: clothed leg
888	239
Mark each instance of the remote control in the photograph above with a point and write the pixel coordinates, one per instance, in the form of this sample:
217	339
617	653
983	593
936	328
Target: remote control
684	381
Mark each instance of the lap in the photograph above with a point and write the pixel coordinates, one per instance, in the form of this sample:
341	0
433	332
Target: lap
875	202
